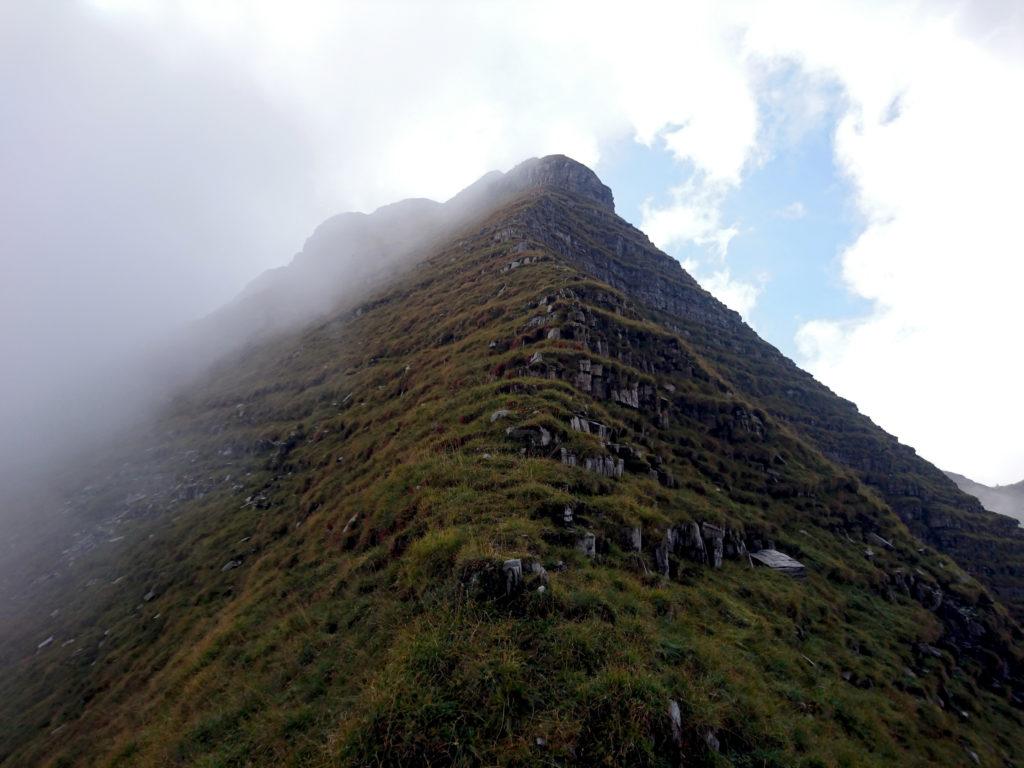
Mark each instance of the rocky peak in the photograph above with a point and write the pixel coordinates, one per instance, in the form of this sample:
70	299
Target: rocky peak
561	172
550	172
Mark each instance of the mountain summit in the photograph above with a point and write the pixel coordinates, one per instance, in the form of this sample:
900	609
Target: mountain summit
519	493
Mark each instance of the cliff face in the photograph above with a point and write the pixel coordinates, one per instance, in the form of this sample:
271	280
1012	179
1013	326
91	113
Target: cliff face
538	500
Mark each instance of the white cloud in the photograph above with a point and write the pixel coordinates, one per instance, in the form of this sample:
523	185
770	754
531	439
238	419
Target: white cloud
693	216
931	141
735	294
793	211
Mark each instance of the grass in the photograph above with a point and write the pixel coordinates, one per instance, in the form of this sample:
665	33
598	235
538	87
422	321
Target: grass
369	485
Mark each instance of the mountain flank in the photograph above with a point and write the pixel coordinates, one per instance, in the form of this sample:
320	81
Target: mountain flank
530	496
1003	499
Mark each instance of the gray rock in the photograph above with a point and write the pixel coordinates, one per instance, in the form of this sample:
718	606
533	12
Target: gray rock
632	539
929	597
878	541
609	466
230	565
735	547
779	561
663	550
675	719
535	437
714	542
692	543
501	413
587	544
536	571
45	643
711	740
929	650
149	596
513	572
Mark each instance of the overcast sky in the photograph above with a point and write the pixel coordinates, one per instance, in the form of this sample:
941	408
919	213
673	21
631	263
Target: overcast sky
846	175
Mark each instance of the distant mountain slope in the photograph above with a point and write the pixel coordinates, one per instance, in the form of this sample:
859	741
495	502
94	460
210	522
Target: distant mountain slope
536	499
1004	499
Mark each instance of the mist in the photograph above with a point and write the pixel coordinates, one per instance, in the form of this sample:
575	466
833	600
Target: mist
122	219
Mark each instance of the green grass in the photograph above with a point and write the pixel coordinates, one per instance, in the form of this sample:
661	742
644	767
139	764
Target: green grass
353	634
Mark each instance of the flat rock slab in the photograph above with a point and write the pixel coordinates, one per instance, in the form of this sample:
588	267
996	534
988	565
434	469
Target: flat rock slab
779	561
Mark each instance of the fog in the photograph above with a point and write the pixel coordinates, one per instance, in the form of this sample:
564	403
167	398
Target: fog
142	191
122	217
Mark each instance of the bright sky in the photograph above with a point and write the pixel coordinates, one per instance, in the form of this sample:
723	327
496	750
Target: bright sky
844	174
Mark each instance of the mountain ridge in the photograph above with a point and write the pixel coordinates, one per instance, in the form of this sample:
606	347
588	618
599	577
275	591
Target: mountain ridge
499	511
1002	499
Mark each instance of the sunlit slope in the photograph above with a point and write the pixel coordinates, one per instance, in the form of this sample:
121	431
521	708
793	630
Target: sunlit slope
502	513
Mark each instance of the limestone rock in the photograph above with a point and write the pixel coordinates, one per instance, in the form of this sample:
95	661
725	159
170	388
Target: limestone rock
663	550
878	541
711	740
587	544
513	572
714	542
632	539
692	543
779	561
675	719
531	437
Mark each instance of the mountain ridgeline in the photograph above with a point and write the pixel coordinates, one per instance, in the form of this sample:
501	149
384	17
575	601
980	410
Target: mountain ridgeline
516	492
1004	499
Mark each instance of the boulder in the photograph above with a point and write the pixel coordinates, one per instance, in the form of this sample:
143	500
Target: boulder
735	547
513	572
587	544
533	437
714	543
663	550
535	575
878	541
711	740
928	596
692	543
609	466
632	539
675	720
779	561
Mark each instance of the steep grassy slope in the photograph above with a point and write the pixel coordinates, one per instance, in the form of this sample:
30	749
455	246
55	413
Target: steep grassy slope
332	577
989	545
